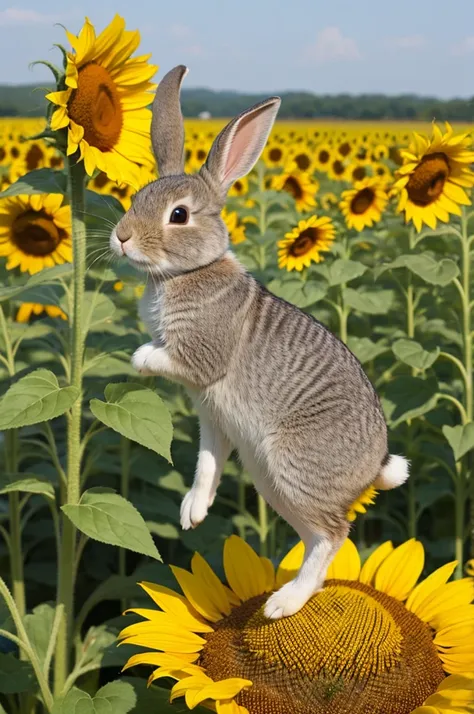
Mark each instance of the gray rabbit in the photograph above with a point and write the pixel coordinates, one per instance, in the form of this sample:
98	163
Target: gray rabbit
266	378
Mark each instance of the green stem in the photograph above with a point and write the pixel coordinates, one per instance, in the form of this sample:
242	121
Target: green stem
263	525
125	451
410	298
468	355
14	512
68	540
459	508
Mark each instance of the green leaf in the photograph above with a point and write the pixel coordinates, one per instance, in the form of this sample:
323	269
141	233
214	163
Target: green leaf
372	303
110	518
460	438
163	530
106	365
364	349
114	698
99	310
38	181
137	413
25	483
38	625
341	271
49	276
35	398
157	699
409	397
15	676
295	291
435	272
413	354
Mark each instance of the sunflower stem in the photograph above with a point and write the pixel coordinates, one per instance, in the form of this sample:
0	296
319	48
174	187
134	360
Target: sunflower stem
468	355
410	298
76	176
263	525
125	450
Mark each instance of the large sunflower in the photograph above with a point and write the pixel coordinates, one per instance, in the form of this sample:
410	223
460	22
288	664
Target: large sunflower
433	177
103	102
305	243
35	232
372	642
364	204
298	184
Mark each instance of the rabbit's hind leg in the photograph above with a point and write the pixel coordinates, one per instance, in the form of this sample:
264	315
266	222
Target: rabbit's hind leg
320	549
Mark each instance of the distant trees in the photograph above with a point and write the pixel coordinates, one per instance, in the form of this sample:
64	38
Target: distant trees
25	101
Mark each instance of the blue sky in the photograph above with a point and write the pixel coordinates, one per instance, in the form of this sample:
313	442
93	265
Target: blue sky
420	46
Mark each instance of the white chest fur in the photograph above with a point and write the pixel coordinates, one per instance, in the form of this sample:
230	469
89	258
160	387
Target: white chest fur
151	310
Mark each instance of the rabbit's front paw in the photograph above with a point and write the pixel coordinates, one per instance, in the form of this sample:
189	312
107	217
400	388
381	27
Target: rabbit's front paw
287	601
194	508
141	359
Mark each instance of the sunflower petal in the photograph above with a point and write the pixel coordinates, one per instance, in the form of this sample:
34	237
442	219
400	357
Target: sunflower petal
346	564
225	689
374	561
427	589
290	565
197	594
177	606
243	568
400	571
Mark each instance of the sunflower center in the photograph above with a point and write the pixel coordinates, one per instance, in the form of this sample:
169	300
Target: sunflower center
35	233
33	157
324	156
275	154
427	181
305	241
95	105
350	649
359	173
302	161
292	186
344	148
362	201
338	167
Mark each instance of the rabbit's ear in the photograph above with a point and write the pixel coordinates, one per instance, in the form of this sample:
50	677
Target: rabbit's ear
167	127
238	146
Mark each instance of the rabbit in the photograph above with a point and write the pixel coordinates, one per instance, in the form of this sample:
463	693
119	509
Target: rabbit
266	378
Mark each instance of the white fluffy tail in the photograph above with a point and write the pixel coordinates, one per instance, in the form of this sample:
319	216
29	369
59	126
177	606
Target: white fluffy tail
393	474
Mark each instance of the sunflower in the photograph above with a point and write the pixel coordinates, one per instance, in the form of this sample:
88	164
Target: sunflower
324	156
275	154
345	149
234	228
298	184
28	309
35	232
364	204
240	187
305	243
433	177
337	169
329	200
303	157
103	101
371	641
356	172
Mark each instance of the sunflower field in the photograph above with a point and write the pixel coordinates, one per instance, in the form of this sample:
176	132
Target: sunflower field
367	227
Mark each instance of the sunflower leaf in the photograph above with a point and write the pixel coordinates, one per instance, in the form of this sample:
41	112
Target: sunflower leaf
434	272
460	438
114	698
15	676
341	271
409	397
364	349
371	303
137	413
25	483
38	181
49	276
295	291
413	354
98	312
35	398
157	699
110	518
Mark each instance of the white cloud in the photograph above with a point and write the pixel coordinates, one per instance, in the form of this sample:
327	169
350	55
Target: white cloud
465	47
331	45
406	42
17	16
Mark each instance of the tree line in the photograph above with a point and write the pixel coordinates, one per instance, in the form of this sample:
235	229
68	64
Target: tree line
27	100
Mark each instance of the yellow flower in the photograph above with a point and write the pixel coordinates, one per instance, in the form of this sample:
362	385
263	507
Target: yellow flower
35	232
329	200
305	243
104	102
275	153
27	309
371	641
470	567
364	204
234	228
367	498
324	156
337	169
298	184
433	177
240	187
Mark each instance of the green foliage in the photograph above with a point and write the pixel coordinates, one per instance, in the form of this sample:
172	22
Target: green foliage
114	698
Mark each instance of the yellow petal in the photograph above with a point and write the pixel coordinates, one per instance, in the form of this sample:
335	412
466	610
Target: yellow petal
346	564
398	574
448	597
230	706
454	635
374	561
189	684
170	641
225	689
59	119
161	659
243	568
196	594
176	605
269	573
290	565
424	592
211	584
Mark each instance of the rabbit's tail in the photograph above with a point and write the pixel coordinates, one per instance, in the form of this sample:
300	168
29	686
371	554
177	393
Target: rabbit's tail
393	473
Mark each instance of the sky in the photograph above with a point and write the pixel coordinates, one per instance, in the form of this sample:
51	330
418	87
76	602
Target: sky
355	46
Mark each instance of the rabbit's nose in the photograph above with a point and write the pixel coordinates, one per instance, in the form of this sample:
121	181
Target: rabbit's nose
123	235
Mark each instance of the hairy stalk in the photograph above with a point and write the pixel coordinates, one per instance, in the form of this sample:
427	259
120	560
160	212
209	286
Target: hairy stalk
68	536
468	355
263	525
410	298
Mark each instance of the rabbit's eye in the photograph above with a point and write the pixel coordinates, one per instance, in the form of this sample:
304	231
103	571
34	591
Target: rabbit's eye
179	215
